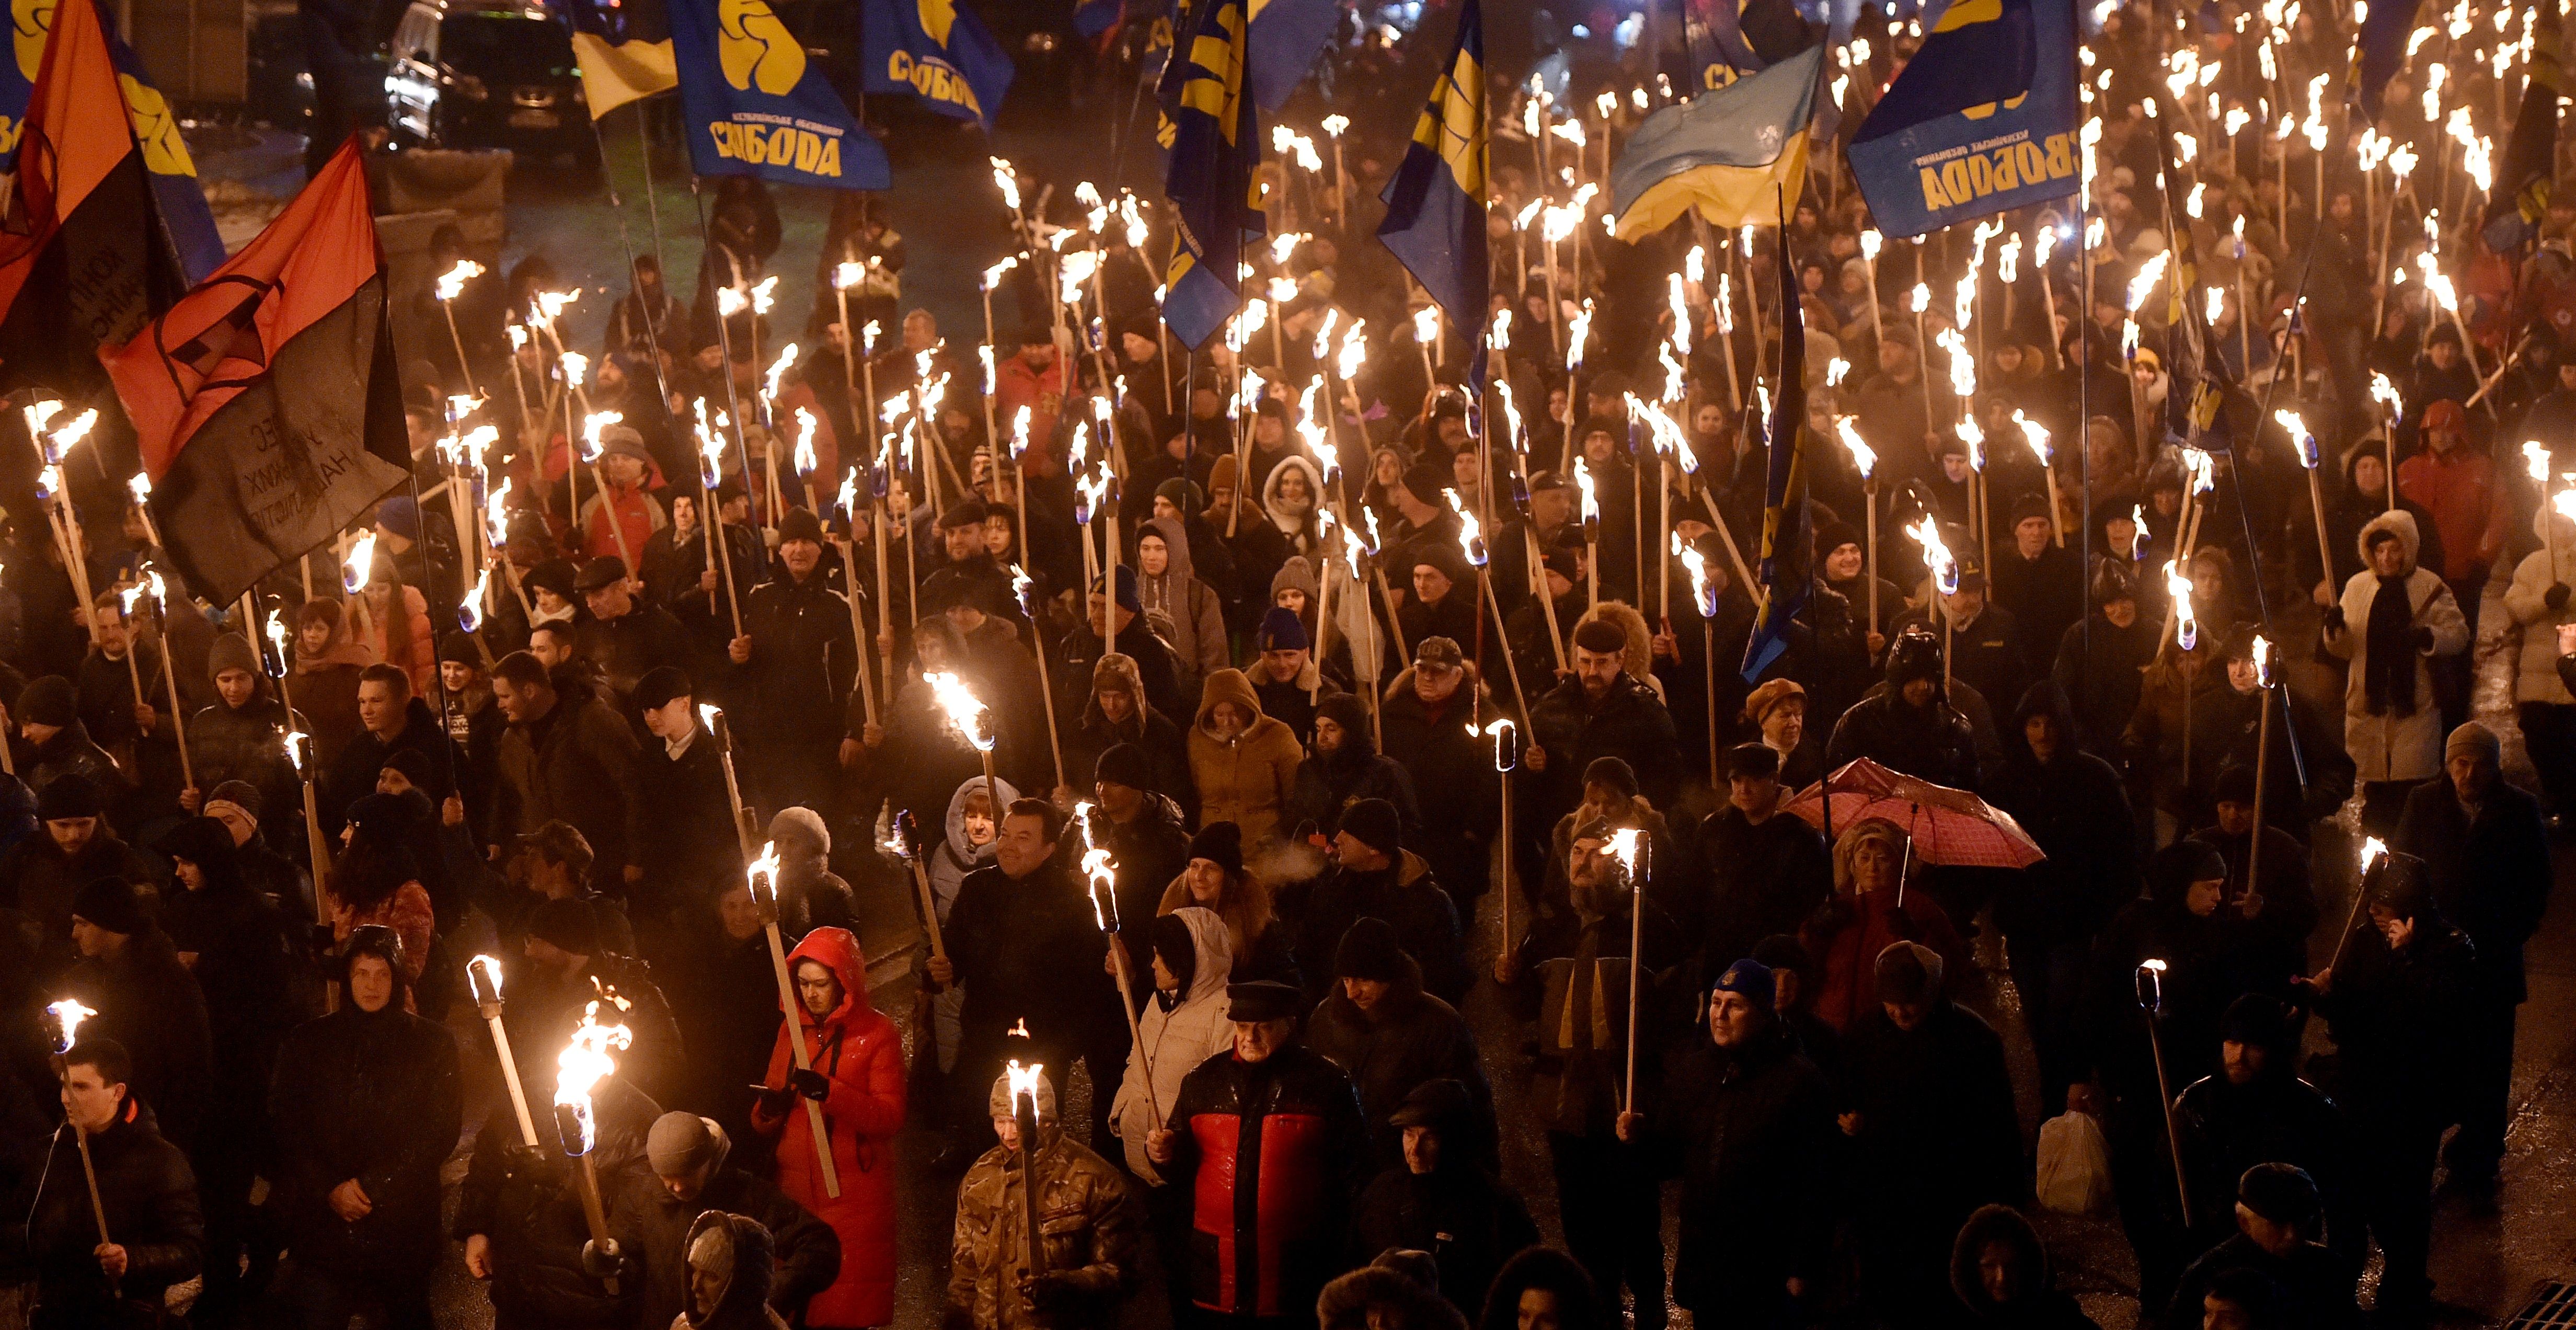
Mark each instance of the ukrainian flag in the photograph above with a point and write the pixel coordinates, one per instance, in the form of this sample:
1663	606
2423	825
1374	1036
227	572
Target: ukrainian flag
1733	153
623	52
1435	205
1216	145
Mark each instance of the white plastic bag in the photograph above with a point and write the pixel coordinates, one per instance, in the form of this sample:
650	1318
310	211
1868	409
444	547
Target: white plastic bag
2074	1165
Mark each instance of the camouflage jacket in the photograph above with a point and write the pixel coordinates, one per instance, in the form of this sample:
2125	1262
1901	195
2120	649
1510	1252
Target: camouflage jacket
1087	1220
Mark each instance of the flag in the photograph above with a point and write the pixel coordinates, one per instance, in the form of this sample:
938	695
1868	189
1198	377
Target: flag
85	207
754	105
1721	51
2380	51
1435	205
2198	377
939	51
265	404
188	225
1982	121
1787	548
1732	153
2523	177
1093	20
623	49
1216	144
1286	37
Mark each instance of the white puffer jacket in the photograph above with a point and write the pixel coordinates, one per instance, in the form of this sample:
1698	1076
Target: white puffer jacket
1176	1041
2537	678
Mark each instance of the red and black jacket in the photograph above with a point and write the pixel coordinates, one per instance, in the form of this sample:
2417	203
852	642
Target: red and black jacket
1272	1153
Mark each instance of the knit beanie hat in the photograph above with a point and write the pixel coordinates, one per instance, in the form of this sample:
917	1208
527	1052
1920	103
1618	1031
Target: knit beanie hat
67	796
1282	630
2474	739
459	646
1369	950
231	651
1373	823
681	1142
1220	843
50	701
1124	764
111	903
1752	980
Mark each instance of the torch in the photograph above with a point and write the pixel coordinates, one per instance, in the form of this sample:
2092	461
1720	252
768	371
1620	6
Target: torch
1624	844
2385	393
451	284
2262	756
2374	854
2307	446
169	675
763	872
1506	739
2535	455
1024	591
1024	1084
849	499
1471	539
719	554
1705	596
2037	435
905	843
1945	578
2151	1000
75	548
1865	458
966	714
1870	241
1591	528
483	975
65	1017
316	845
581	1066
133	669
1102	888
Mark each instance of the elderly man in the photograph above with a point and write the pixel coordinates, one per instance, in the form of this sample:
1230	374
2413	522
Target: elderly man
2486	856
692	1172
1269	1139
625	638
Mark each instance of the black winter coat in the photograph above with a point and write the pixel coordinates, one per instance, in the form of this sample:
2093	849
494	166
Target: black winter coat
353	772
2077	810
688	841
1408	1038
1936	745
2315	1285
2101	679
576	763
150	1196
626	648
2396	1018
652	1228
1406	896
1762	878
1629	723
1328	784
372	1096
39	881
2225	1129
2490	875
1938	1132
245	967
1146	854
1468	1220
1030	948
247	745
804	663
1753	1134
526	1201
147	1001
1455	787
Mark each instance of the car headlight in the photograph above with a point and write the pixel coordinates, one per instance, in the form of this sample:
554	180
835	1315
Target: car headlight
1041	42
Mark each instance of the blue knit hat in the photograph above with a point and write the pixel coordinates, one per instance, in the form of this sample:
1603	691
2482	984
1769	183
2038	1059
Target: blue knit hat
1750	978
1282	630
400	515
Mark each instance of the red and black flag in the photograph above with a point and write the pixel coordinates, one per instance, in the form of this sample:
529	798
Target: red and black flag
84	262
265	403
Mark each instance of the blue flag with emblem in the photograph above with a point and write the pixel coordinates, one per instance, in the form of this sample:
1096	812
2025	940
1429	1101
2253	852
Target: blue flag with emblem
186	222
2380	51
1720	52
1286	37
1216	144
1435	205
1982	121
753	105
1787	548
939	51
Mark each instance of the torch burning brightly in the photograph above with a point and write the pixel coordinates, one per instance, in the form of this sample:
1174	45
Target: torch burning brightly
362	563
451	284
581	1065
1623	847
2262	661
2371	851
2186	625
68	1015
1863	456
963	709
1936	554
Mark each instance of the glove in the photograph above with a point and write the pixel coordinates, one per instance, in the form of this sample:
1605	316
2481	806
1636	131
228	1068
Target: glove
808	1083
773	1099
2333	617
602	1262
1057	1293
533	1164
2423	641
2556	596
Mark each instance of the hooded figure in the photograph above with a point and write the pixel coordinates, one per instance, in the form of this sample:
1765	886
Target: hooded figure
2390	627
1244	765
857	1076
1388	1294
693	1172
1198	620
1087	1237
729	1275
1350	770
1184	1025
1295	514
1910	725
2001	1275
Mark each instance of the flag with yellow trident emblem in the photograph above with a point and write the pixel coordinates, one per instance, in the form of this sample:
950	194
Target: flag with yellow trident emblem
1435	205
1216	144
752	104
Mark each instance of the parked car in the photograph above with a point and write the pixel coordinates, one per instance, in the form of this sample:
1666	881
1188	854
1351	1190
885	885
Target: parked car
463	76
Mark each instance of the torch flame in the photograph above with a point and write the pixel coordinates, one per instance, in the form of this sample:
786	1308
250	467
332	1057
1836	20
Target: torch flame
68	1015
2535	455
68	436
2297	428
451	284
2372	848
961	706
1623	847
1936	554
2262	660
1583	483
295	741
2186	624
2036	433
362	563
469	615
483	973
1863	456
584	1062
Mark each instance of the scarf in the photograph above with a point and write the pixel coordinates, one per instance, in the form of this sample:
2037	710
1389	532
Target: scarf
2388	678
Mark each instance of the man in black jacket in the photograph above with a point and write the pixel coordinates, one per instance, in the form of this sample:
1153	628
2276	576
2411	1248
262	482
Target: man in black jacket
2275	1213
1601	712
1751	1123
794	666
1439	1199
2255	1109
144	1185
1910	725
1078	651
1374	875
1148	846
1766	871
692	1173
146	1001
519	1211
625	637
366	1105
1280	1127
41	874
391	720
689	846
1344	767
2486	858
1434	719
1392	1037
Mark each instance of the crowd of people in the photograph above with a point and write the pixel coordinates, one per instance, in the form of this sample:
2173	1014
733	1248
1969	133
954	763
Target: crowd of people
670	737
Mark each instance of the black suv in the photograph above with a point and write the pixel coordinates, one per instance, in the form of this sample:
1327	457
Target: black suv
459	76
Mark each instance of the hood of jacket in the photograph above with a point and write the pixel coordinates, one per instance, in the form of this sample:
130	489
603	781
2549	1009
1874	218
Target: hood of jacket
742	1249
1286	519
1992	1224
839	949
1215	952
2408	538
1349	1301
1229	685
1176	538
955	827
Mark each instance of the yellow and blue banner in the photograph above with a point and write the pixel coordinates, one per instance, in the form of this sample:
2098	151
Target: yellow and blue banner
753	105
1732	154
1982	121
1788	549
1435	204
187	223
938	51
2524	175
623	50
1286	37
1216	146
2380	51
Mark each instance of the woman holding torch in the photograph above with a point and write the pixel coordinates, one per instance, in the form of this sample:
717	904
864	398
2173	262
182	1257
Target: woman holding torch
857	1075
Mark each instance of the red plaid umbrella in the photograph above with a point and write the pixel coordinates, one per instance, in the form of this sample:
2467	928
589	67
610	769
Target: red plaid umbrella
1948	826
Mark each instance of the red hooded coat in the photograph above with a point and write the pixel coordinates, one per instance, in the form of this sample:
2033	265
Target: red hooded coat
859	1051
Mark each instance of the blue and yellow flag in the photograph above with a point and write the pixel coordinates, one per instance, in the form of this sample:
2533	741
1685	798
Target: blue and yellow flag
1787	548
2524	175
938	51
1216	144
1732	153
1435	205
754	106
2380	51
186	222
1982	121
623	51
1720	53
1287	35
